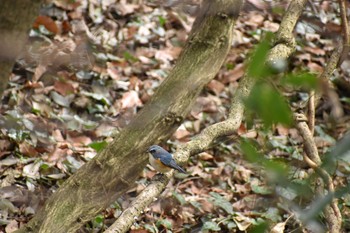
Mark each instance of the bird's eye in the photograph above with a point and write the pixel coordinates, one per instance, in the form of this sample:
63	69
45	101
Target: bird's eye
152	150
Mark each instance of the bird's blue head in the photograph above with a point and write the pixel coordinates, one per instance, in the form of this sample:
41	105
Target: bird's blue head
154	149
158	151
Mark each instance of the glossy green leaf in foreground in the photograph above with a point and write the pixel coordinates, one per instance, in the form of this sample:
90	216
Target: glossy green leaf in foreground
276	170
268	104
303	80
251	153
257	67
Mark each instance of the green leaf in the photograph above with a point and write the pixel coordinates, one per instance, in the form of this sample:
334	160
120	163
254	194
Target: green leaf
196	205
259	228
151	228
230	225
130	57
277	167
230	66
261	189
162	20
269	105
165	223
44	166
273	214
257	65
210	226
250	152
179	197
98	146
221	202
304	80
99	219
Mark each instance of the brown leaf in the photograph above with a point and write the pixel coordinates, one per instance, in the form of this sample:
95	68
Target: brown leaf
4	145
315	50
256	20
64	88
236	73
57	135
259	4
58	154
139	231
282	130
181	133
79	140
206	205
124	9
130	100
216	86
314	67
113	71
47	22
39	71
205	156
27	149
271	26
12	226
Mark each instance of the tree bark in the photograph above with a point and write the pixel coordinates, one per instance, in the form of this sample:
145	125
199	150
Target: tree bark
16	18
282	50
113	171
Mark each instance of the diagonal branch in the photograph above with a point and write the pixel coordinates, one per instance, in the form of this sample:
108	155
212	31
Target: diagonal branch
346	29
284	47
311	156
114	170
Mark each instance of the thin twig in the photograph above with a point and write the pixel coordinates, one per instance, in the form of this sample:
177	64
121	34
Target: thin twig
346	29
312	158
311	112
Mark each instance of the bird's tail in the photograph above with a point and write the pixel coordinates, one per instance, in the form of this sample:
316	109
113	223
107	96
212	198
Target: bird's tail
177	167
180	169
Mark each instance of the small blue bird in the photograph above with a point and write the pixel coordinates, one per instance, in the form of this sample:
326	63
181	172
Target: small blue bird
162	160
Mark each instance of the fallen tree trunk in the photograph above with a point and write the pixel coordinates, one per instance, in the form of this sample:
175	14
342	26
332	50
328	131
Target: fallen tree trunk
113	171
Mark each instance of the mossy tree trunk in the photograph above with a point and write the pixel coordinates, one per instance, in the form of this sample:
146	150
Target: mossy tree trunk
16	18
114	170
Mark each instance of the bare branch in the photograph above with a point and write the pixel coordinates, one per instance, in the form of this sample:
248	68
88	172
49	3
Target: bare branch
346	29
312	158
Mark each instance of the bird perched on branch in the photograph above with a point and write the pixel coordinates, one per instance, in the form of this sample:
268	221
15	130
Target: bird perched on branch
162	160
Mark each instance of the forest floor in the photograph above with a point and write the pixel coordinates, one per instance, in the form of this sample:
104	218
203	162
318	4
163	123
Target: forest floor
89	66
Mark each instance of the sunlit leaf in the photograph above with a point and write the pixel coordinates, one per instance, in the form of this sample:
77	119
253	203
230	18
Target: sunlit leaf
162	20
130	57
98	146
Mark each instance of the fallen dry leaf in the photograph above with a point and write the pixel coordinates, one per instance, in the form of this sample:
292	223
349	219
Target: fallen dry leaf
130	100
